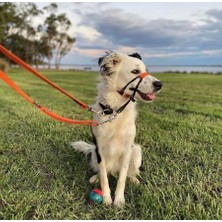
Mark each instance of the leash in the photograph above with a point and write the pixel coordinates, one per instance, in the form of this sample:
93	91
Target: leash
17	60
7	80
110	112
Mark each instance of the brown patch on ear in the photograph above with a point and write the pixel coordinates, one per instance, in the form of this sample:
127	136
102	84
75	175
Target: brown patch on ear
108	63
115	58
115	62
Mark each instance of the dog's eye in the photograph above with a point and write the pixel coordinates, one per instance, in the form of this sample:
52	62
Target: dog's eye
135	71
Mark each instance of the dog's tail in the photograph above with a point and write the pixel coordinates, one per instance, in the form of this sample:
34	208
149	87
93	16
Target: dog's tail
83	147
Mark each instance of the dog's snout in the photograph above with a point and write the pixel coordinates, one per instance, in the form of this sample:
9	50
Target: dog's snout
157	85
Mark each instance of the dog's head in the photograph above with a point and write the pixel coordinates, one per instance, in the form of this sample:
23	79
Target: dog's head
119	69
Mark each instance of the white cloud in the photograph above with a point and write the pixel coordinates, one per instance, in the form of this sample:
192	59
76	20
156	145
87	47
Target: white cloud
87	32
95	53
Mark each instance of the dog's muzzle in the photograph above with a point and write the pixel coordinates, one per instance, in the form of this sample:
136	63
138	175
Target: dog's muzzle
157	85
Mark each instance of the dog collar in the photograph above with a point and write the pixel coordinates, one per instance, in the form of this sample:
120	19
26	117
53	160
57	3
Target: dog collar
107	110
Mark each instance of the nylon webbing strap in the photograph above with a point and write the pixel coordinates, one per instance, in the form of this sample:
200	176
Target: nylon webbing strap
7	80
35	72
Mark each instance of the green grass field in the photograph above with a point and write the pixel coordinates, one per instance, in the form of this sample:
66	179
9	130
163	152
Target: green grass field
41	177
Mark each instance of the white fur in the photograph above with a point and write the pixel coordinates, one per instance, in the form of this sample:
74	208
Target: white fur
115	140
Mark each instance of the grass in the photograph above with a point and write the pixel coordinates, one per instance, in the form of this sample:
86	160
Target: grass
41	177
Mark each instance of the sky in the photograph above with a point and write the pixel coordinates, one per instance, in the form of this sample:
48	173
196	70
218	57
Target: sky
163	33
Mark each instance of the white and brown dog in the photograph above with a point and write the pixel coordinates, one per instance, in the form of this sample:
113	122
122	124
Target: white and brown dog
114	150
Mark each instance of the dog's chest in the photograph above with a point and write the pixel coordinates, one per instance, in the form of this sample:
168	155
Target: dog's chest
114	137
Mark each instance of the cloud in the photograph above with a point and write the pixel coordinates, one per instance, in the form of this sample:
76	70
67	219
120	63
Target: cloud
129	30
215	13
88	33
95	53
102	27
124	29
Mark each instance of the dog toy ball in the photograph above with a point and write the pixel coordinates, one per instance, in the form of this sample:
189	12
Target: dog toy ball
95	196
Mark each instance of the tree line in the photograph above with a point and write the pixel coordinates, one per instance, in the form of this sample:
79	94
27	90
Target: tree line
37	44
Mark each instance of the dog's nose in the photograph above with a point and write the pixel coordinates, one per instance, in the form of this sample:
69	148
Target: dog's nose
157	85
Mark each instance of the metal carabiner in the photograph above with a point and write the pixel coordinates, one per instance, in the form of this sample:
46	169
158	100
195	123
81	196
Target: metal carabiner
109	119
99	113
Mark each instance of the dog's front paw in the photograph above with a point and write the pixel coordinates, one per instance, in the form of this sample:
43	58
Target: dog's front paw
134	180
93	179
107	200
119	201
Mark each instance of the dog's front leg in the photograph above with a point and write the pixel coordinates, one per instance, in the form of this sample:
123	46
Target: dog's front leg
119	194
104	182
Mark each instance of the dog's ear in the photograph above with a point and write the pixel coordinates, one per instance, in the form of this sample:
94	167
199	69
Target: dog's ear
108	63
136	55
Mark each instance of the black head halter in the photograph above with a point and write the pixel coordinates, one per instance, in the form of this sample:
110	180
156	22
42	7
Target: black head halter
107	110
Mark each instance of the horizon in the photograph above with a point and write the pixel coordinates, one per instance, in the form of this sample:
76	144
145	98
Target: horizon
212	69
185	65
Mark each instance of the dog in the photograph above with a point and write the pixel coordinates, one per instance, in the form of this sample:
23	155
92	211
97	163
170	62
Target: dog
114	150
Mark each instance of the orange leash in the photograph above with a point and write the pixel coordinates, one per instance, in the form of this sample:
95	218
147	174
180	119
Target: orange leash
35	72
5	78
42	108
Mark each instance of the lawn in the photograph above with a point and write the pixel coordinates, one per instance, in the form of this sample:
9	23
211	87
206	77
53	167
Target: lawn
42	177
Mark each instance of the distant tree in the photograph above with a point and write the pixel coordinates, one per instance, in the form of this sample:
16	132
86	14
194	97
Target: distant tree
52	8
43	50
50	30
49	35
27	13
8	20
35	44
64	44
59	41
15	43
63	41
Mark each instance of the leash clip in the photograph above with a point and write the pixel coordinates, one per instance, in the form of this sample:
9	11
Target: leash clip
99	113
110	118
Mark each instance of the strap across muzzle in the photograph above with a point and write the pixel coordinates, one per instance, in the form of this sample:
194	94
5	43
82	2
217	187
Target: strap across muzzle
140	76
144	74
